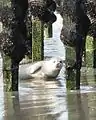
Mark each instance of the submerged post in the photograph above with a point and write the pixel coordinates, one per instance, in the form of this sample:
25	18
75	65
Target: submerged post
37	40
10	74
78	79
48	31
7	76
71	74
15	75
71	80
94	51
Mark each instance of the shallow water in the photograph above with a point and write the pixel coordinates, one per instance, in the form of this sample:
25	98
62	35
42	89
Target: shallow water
40	99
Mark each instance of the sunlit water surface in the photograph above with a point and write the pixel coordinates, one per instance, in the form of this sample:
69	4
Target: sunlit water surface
39	99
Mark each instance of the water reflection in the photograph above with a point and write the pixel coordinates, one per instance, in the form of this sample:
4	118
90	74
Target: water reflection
81	106
48	99
38	100
11	106
37	104
47	102
77	109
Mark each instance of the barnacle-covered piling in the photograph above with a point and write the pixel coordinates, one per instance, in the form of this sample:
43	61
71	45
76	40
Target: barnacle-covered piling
37	40
48	31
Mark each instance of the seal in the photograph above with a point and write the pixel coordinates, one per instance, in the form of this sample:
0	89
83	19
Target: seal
43	69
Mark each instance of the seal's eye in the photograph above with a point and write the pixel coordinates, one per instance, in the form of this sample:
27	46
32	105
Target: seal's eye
60	61
54	61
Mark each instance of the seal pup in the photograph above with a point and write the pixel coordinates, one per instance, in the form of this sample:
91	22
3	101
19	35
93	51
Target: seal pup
43	69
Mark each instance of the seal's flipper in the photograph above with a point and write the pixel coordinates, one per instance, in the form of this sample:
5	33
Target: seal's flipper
35	67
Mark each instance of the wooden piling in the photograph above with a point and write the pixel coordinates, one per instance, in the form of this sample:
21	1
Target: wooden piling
78	79
37	40
15	75
48	31
7	76
71	74
71	80
94	52
10	74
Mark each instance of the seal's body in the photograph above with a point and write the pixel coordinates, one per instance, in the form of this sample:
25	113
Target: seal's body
47	69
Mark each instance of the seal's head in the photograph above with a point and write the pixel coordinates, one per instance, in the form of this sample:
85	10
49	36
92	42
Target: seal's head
52	67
